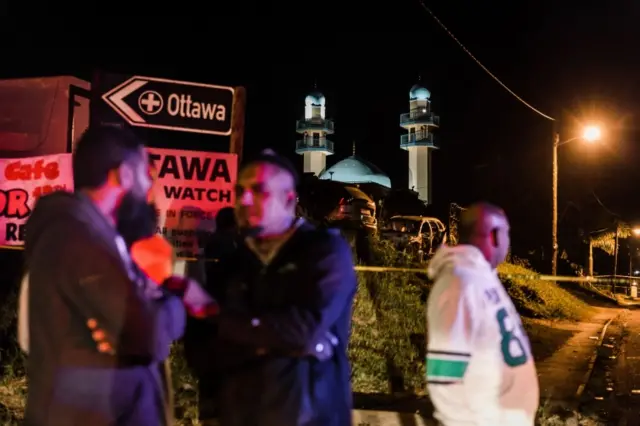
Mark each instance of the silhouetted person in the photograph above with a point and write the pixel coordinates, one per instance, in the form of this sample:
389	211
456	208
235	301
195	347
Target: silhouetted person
224	240
363	246
199	334
480	369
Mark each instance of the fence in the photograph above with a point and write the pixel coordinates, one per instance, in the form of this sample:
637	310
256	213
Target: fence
615	284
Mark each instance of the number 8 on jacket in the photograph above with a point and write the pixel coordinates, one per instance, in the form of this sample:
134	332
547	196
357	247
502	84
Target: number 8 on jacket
510	338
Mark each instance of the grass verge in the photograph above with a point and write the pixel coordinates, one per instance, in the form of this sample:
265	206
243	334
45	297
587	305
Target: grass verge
540	299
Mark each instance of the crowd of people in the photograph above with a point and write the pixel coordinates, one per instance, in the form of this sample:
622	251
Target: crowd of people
265	326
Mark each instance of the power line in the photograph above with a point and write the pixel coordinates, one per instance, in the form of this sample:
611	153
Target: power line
603	206
462	46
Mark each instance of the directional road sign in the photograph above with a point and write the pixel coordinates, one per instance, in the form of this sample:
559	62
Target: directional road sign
158	103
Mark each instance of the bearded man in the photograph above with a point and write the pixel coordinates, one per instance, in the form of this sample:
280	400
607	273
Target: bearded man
81	273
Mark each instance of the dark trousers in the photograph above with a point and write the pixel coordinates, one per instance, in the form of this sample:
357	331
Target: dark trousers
207	394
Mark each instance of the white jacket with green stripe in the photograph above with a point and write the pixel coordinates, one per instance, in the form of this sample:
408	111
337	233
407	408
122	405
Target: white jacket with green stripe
480	370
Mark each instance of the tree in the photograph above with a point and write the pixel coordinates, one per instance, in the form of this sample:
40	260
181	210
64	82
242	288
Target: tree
608	241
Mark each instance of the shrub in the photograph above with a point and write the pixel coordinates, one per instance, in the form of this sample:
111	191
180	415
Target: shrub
387	347
13	384
540	299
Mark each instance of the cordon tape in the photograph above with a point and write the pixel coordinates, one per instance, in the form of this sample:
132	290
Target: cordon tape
423	270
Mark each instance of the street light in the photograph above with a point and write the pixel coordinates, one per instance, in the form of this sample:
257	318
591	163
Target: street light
589	134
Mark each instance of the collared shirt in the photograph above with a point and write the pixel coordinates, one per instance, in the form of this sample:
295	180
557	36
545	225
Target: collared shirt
266	251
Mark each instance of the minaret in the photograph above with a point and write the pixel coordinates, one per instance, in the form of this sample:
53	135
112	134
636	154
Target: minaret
314	128
419	121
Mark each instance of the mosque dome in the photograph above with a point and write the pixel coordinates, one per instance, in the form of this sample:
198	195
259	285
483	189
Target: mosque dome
418	92
314	98
356	170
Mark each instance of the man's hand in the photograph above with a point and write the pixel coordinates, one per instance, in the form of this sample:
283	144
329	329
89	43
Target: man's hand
195	297
197	301
100	338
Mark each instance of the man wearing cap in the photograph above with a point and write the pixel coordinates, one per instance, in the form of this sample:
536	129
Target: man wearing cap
285	300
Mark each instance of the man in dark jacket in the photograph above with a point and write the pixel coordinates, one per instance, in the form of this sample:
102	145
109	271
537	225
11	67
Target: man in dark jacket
80	270
285	298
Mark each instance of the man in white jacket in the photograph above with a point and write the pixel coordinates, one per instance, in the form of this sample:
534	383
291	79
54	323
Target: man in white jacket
480	370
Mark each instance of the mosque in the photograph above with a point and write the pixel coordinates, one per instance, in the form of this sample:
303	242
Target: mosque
315	146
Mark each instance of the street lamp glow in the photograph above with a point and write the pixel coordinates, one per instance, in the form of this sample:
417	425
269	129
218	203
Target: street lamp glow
592	133
636	232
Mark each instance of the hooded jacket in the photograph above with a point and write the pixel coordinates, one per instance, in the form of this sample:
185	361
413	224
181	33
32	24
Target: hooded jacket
79	268
480	370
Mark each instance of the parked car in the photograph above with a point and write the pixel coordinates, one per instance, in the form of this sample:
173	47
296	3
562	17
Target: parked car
354	210
420	235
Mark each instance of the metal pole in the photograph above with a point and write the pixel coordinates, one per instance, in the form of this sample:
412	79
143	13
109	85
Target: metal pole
590	256
615	253
236	143
554	220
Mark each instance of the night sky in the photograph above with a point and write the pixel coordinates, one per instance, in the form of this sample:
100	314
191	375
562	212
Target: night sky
575	60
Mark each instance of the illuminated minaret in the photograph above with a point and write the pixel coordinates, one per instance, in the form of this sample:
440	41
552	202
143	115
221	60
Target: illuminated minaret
420	122
314	128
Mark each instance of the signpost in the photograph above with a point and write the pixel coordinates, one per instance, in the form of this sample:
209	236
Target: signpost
159	103
190	129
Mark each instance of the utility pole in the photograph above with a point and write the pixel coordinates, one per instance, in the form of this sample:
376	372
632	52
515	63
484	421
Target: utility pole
236	144
590	256
615	251
630	259
554	220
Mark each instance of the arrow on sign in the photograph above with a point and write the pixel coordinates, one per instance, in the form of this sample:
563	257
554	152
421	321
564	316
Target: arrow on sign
115	98
183	106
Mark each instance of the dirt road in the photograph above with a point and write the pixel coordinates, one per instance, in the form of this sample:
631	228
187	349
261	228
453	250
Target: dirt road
613	393
563	351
